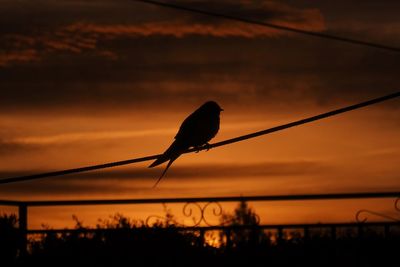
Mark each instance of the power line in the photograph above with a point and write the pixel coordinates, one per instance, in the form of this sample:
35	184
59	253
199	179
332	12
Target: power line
306	120
76	170
218	144
271	25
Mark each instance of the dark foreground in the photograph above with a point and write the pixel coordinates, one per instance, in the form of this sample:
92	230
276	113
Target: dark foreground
125	243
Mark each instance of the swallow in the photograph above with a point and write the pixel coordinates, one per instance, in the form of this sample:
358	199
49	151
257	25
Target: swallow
195	131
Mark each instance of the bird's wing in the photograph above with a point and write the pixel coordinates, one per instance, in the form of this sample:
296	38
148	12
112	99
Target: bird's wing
188	127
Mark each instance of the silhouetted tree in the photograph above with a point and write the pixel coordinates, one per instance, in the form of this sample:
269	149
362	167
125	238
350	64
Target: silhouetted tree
120	241
9	237
244	215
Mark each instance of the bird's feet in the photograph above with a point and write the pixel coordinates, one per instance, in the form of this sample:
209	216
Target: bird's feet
206	147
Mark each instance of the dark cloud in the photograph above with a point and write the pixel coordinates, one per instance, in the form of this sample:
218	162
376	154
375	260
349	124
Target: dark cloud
270	72
118	61
78	35
8	148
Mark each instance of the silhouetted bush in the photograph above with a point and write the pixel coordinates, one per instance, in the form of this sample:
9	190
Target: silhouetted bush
252	236
9	237
121	241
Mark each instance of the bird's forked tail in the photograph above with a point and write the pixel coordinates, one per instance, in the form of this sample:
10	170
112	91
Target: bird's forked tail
171	154
164	172
160	160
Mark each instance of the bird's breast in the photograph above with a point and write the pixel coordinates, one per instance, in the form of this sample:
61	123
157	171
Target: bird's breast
205	130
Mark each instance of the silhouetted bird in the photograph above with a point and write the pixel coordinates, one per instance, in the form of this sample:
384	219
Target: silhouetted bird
196	130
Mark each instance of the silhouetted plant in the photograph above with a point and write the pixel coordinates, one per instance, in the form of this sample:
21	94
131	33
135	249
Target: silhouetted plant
168	220
121	241
9	237
118	221
244	215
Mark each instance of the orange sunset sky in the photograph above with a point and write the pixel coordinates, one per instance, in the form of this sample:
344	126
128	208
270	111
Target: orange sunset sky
88	82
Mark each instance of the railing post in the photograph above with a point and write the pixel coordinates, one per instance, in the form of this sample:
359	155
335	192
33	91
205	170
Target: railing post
202	239
360	231
280	235
387	231
23	229
228	238
306	234
333	233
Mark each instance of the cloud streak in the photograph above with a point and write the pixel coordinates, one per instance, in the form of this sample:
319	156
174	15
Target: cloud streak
8	148
86	137
78	37
19	56
136	178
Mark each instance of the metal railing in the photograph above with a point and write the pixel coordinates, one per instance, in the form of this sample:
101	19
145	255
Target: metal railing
387	223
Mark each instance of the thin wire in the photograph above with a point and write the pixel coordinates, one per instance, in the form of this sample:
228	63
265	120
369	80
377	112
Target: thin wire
271	25
303	121
218	144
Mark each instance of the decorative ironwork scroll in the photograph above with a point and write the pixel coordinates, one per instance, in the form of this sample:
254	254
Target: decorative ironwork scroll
362	215
197	211
202	217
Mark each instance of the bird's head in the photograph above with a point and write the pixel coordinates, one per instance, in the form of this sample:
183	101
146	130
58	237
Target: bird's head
212	106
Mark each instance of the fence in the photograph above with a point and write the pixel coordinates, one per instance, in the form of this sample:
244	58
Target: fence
202	225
